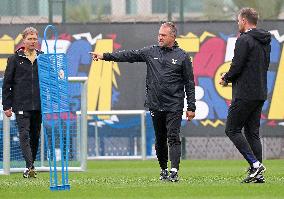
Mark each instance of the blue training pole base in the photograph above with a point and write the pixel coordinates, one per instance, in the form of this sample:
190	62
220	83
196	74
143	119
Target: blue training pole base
60	187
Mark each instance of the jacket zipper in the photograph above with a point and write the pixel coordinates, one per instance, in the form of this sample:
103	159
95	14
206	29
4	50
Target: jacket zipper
32	86
32	97
161	103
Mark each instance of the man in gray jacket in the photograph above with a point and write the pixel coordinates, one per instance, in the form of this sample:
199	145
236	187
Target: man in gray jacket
169	77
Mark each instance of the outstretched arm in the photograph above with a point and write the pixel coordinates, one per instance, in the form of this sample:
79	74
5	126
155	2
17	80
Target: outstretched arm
96	56
122	56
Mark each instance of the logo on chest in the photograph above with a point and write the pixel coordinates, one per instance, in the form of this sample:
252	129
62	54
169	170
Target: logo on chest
174	61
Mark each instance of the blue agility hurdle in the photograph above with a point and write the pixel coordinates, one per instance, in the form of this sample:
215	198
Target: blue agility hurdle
53	79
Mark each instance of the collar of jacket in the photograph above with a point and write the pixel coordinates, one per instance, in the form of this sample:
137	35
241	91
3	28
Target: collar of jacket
170	48
246	31
21	52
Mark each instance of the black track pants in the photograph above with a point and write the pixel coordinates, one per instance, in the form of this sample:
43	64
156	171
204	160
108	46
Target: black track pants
167	130
29	125
245	114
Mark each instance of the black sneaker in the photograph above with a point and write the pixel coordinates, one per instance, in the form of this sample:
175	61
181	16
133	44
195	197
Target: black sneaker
173	176
259	179
253	173
164	174
30	173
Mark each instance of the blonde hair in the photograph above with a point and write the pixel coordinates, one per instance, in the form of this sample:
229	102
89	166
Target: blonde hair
249	14
29	30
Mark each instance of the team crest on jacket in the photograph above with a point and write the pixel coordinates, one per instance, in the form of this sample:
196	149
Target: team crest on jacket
174	61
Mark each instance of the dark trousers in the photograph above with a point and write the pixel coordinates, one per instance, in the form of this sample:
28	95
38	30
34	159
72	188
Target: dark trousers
29	125
167	129
245	114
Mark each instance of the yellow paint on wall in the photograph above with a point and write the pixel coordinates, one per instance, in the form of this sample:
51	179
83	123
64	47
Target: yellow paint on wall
189	34
189	44
18	39
6	45
102	77
212	123
206	34
3	64
105	87
276	110
115	68
114	80
225	92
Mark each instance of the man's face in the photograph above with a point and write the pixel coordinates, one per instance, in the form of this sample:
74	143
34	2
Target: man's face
241	22
31	41
165	37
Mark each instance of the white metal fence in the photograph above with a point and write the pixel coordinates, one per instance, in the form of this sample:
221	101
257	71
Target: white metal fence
110	139
12	160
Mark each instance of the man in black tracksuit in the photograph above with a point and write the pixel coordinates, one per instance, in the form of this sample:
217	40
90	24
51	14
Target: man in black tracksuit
248	74
169	77
20	94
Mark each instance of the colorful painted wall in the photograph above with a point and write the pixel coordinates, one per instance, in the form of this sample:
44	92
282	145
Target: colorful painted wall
120	86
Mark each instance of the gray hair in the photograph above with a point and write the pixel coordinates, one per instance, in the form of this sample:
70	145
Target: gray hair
172	26
29	30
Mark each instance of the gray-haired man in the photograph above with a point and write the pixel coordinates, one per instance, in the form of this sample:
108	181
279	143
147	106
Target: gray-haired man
21	95
169	78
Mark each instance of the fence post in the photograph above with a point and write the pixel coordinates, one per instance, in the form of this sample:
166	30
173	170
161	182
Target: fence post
181	17
169	7
183	147
6	144
84	125
50	11
63	11
42	146
143	136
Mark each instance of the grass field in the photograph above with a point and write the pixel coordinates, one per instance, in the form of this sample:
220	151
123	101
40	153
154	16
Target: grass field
139	179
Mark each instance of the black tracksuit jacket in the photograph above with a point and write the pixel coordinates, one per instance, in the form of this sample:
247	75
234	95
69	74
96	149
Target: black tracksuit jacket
20	90
169	76
248	71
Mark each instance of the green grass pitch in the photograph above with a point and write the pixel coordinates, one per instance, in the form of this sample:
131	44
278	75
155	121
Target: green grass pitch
140	179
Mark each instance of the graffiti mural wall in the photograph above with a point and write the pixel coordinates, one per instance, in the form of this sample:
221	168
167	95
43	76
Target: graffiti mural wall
121	86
